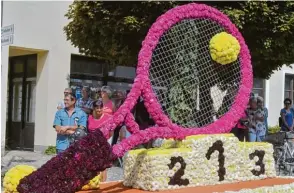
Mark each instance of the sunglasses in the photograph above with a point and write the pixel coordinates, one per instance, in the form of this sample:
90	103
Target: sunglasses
287	103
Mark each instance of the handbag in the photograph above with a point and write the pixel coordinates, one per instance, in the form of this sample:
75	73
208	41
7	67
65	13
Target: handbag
77	135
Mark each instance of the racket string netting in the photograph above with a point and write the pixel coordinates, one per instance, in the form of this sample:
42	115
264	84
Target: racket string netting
191	88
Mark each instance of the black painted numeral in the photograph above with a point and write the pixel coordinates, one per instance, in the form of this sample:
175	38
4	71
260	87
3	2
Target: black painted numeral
176	179
260	154
218	146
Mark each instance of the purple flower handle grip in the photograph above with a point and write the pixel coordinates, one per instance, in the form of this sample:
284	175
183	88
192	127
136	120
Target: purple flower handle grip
70	170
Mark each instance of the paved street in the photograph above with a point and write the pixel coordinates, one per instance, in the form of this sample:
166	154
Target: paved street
37	159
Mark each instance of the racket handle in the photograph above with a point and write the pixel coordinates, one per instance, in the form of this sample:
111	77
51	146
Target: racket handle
70	170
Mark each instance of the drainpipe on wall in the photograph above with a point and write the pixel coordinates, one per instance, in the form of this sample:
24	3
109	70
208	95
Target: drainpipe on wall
1	13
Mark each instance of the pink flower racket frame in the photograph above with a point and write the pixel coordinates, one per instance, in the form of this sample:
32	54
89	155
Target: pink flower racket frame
142	85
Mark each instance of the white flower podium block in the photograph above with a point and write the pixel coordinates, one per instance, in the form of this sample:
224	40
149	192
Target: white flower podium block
286	188
198	160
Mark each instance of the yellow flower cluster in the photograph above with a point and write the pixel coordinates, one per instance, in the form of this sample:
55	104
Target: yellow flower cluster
93	184
224	48
14	175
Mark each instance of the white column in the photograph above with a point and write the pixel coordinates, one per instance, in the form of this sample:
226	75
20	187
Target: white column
4	87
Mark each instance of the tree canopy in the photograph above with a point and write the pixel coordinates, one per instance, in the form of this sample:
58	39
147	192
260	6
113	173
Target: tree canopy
113	31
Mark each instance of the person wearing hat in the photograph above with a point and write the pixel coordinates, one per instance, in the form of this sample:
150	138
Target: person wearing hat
108	106
85	103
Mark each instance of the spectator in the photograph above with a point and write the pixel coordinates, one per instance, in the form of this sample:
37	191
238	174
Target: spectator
66	121
118	98
255	121
120	132
242	128
97	118
260	105
108	106
60	105
95	121
85	103
142	116
98	94
287	116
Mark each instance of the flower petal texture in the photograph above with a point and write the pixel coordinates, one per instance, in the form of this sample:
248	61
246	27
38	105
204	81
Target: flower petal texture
70	170
224	48
93	184
198	161
14	175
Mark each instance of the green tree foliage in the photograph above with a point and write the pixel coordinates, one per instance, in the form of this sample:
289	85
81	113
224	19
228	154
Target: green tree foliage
114	30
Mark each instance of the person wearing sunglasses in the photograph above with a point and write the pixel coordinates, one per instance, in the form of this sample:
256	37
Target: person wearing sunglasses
287	116
67	121
61	105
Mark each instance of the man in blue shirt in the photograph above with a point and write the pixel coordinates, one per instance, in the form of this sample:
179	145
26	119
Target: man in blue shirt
67	120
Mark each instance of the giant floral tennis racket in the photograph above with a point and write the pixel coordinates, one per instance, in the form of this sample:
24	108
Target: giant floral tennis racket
195	76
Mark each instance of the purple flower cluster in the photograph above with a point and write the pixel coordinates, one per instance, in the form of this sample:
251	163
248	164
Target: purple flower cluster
70	170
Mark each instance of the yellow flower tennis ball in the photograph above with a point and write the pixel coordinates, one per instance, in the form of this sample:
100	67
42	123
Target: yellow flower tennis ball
14	175
224	48
93	184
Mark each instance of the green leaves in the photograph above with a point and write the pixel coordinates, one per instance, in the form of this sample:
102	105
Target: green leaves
114	30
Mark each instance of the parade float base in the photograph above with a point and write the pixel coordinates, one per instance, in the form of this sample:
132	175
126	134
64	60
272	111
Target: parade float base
201	163
117	187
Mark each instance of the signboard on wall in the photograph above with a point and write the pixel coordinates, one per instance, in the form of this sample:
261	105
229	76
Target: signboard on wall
7	34
6	40
7	30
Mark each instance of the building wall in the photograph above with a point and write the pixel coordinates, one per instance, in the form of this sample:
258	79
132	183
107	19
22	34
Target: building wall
4	87
39	28
275	93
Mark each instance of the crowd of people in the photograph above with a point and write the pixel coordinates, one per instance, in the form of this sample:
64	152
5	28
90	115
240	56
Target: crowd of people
76	118
253	126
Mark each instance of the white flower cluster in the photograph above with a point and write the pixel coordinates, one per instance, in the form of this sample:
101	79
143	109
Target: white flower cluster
286	188
150	169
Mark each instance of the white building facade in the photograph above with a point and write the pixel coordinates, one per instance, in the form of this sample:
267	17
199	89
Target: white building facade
36	66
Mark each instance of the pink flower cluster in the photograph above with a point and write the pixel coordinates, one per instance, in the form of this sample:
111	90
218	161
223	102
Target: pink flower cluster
166	128
70	170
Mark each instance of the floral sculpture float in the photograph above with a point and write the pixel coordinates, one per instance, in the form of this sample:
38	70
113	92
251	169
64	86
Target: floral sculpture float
16	173
181	51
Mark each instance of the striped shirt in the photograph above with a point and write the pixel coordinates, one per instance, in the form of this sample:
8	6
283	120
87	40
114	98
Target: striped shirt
81	103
